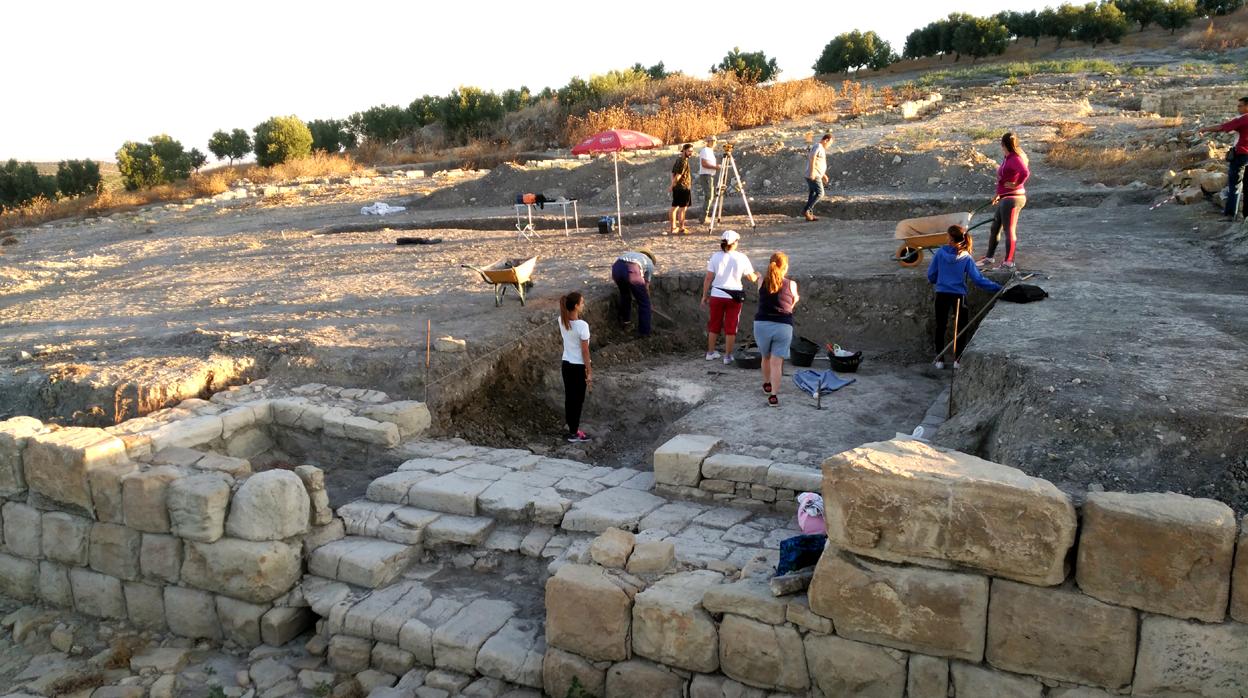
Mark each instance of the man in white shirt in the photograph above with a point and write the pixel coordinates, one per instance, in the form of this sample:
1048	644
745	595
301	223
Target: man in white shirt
816	175
707	169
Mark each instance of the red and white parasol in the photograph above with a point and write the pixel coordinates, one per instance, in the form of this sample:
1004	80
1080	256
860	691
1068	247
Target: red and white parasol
613	141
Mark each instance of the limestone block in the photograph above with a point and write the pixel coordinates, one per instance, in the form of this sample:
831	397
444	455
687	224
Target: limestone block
197	506
143	495
160	660
904	500
370	431
679	461
106	493
798	612
762	655
1239	588
749	597
281	625
272	505
236	419
908	608
652	557
1060	634
360	561
392	659
612	548
393	488
97	594
620	507
145	605
23	530
248	443
559	668
57	463
1185	658
53	585
411	417
840	667
240	621
187	433
451	493
508	501
65	538
191	613
320	535
587	613
457	642
114	550
798	478
638	677
417	637
670	626
160	558
514	653
349	655
1212	182
364	518
14	433
18	577
927	677
226	465
1164	553
255	571
970	680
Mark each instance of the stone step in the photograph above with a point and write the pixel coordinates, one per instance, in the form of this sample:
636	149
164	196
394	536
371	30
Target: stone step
362	561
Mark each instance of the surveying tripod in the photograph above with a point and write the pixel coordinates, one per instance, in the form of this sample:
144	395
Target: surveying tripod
721	188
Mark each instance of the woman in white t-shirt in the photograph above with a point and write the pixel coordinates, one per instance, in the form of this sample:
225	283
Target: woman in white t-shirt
577	374
723	292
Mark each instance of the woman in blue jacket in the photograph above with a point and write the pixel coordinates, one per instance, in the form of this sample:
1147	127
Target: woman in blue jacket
948	271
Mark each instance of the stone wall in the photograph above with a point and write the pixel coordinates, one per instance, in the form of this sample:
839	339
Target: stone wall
161	520
1215	103
945	575
691	467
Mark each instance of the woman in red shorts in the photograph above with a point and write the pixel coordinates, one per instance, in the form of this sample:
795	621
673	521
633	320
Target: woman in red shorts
723	292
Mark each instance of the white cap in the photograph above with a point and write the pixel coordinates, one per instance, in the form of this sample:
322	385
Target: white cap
730	236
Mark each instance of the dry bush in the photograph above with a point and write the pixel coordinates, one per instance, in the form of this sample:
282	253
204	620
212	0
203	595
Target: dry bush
1221	34
1116	164
319	164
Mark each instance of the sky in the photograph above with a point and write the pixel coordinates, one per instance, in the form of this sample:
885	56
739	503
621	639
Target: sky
97	74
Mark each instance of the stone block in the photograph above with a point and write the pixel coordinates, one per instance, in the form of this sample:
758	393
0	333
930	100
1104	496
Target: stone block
749	597
970	680
197	506
1163	553
255	571
417	637
618	507
762	655
908	608
65	538
53	585
272	505
18	577
248	443
464	530
927	677
797	612
1060	634
904	500
143	495
106	492
411	417
393	488
145	605
160	558
560	668
1239	577
670	626
392	659
14	433
1182	658
360	561
514	653
508	501
23	530
225	465
58	463
97	594
187	433
349	655
457	642
587	613
679	461
638	677
114	550
240	620
280	625
191	613
652	557
735	467
840	667
612	548
451	493
798	478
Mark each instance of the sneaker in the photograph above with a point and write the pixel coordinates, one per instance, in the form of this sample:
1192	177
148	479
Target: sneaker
940	365
957	365
811	217
727	360
1007	266
712	355
578	438
773	401
985	262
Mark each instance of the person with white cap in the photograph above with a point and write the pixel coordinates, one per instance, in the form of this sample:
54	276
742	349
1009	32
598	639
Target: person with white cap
724	293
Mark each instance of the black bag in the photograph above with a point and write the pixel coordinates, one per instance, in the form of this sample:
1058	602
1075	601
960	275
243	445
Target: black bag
738	296
1024	293
606	225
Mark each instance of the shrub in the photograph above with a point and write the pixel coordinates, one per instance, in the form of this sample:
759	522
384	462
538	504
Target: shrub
1175	14
981	37
1143	12
424	110
233	145
78	177
468	109
383	123
282	138
515	100
594	92
196	158
854	50
1103	22
159	161
750	68
330	135
22	184
1060	23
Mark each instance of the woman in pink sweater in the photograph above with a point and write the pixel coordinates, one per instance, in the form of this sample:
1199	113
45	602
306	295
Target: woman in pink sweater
1010	199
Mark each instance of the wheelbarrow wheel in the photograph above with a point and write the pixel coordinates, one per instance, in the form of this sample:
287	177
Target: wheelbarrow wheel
908	256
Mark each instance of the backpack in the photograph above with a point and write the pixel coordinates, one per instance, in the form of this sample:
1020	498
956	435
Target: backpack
1024	293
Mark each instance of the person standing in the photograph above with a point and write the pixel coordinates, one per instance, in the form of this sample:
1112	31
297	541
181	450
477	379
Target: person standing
773	323
723	292
680	188
577	373
816	175
950	266
708	168
1010	199
1236	160
631	273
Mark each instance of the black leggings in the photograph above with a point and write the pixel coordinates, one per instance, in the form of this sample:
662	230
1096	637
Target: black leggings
573	395
1006	217
945	304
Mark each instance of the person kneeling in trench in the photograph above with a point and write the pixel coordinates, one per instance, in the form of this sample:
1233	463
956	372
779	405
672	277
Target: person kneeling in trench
632	272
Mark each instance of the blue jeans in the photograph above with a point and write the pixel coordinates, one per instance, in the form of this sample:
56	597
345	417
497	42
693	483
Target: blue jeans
629	278
815	192
1235	181
773	338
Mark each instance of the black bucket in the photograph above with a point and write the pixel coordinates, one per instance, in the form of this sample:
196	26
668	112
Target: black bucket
802	351
748	356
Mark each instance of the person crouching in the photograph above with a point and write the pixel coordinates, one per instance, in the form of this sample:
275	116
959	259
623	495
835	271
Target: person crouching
632	272
950	266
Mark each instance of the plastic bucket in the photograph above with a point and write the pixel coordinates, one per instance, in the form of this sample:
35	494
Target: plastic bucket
802	351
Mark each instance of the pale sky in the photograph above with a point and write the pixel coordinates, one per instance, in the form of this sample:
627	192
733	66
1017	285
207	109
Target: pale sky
84	77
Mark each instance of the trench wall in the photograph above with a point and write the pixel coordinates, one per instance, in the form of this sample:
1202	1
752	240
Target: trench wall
944	575
1213	102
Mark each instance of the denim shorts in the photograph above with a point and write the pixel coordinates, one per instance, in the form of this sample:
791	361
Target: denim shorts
773	338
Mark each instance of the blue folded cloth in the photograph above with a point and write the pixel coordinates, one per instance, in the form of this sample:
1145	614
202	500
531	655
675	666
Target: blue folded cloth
800	552
817	383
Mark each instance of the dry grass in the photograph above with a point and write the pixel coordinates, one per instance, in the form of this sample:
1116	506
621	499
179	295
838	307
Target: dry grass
1116	164
1220	34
